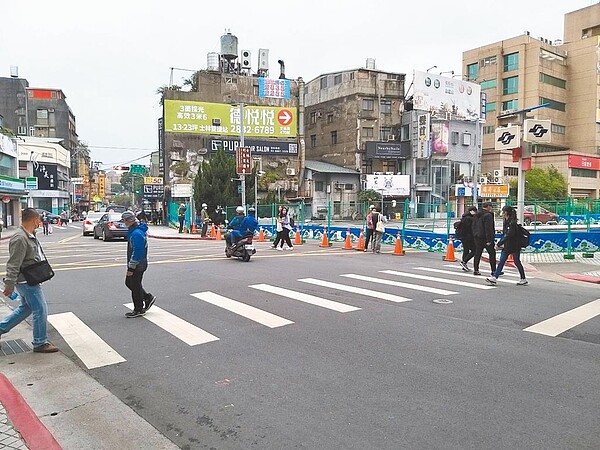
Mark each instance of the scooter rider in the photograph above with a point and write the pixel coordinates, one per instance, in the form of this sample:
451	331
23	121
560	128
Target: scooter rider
234	223
248	225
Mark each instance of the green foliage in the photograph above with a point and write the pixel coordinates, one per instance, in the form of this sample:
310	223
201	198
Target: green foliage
369	195
131	182
121	199
161	91
213	184
542	184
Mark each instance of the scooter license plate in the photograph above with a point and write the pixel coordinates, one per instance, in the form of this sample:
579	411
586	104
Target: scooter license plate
249	247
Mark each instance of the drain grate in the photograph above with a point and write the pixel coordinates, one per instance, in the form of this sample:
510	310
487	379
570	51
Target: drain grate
13	347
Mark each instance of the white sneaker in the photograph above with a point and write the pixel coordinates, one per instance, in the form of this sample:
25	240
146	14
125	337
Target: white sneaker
464	266
522	282
279	249
290	248
492	280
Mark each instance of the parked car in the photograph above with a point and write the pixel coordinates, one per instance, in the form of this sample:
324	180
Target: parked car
535	213
90	222
54	218
110	226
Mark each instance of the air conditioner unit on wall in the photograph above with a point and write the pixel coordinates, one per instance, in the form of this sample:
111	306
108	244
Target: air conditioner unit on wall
290	171
497	173
391	137
483	180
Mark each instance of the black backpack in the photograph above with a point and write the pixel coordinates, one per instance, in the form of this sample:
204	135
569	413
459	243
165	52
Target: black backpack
478	227
524	236
458	230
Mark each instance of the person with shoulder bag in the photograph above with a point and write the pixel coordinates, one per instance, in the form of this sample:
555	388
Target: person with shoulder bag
379	221
26	268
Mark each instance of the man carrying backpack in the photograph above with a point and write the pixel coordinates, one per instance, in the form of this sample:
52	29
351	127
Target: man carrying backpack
484	234
464	232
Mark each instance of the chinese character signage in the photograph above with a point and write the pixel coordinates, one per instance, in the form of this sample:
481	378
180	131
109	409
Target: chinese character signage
243	161
102	185
584	162
47	175
161	148
154	191
257	147
423	135
153	180
493	190
224	120
273	88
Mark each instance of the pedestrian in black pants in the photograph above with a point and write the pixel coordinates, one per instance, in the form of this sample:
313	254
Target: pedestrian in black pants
137	263
181	216
467	239
484	232
370	226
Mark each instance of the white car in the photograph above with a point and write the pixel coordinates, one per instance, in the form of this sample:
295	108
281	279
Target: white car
90	222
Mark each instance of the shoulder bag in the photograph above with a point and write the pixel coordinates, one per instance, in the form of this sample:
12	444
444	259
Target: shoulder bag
38	272
380	227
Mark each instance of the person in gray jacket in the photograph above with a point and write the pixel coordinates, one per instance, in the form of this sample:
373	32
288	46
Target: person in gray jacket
24	250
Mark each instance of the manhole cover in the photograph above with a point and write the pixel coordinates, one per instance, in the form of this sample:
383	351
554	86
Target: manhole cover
13	347
442	301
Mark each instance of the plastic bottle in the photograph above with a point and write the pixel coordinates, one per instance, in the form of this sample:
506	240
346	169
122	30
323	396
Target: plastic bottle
14	296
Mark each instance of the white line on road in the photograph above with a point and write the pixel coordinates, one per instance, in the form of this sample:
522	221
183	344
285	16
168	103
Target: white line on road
462	274
507	272
306	298
356	290
182	330
415	287
567	320
440	280
247	311
87	345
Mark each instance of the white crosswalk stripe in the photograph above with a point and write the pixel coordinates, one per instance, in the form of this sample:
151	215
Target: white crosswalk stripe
507	272
439	280
182	330
567	320
87	345
415	287
356	290
464	274
242	309
306	298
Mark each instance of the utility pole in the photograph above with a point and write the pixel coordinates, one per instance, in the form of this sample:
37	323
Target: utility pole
242	176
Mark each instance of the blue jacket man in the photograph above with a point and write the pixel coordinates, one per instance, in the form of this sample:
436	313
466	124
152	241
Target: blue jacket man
234	224
137	263
248	225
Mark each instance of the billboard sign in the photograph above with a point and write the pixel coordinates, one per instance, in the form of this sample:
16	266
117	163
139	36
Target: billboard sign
423	135
273	88
161	148
439	137
243	161
153	180
494	190
181	191
47	175
224	120
390	185
154	191
446	98
538	131
387	150
257	147
507	138
584	162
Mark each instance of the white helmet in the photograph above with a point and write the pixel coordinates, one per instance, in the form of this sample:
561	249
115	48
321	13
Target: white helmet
239	210
183	204
204	205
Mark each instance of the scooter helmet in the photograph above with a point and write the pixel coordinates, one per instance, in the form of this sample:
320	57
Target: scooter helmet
239	210
204	205
251	210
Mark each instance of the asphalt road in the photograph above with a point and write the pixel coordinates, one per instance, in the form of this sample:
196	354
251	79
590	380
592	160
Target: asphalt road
375	372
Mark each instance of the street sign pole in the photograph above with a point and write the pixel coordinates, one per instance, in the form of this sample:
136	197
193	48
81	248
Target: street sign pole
242	176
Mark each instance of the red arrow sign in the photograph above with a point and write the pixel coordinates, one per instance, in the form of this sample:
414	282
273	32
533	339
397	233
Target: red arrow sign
284	117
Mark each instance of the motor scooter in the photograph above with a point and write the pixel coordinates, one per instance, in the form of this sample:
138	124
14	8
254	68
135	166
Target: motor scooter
242	249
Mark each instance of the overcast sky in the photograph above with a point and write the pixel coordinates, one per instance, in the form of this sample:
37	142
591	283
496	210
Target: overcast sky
109	57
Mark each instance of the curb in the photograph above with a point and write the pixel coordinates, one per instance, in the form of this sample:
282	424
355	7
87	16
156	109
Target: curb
581	277
25	421
184	238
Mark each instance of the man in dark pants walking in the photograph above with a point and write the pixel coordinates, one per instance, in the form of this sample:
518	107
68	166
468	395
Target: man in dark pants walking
468	242
137	263
484	232
181	216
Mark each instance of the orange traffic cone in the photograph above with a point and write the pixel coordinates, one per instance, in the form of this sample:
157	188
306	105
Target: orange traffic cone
348	244
194	230
261	235
219	237
213	232
298	238
450	251
398	247
361	242
325	241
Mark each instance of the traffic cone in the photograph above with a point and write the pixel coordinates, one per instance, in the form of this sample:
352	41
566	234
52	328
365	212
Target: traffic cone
213	232
219	237
194	230
261	235
298	238
398	247
348	244
325	241
361	242
450	251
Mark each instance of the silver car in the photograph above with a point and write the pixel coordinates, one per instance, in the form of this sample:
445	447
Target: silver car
90	222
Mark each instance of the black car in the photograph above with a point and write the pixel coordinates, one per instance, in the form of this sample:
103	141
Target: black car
110	226
54	218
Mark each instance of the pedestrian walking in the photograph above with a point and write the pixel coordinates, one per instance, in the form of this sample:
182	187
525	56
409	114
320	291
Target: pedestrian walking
484	233
378	220
24	250
204	219
466	237
510	244
278	229
286	227
45	223
181	216
370	227
137	263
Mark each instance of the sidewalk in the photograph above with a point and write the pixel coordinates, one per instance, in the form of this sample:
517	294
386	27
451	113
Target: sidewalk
68	410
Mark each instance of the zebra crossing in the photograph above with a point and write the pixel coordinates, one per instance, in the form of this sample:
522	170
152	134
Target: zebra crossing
94	352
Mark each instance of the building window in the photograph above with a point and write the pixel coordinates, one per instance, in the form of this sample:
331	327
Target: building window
367	132
319	186
351	76
42	114
553	81
54	94
510	104
510	85
454	137
405	133
490	106
511	171
388	165
489	130
337	79
330	118
472	71
313	117
488	61
559	106
385	107
368	104
511	62
313	140
323	82
584	173
559	129
367	166
348	187
384	133
334	139
466	139
488	84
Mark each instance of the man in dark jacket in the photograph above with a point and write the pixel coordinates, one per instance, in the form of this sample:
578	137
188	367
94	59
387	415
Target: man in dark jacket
484	233
467	239
137	263
181	216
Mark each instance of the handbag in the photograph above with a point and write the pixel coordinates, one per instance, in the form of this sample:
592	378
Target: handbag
380	227
39	271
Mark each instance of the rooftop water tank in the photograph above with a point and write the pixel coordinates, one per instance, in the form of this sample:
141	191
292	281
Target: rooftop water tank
229	46
212	62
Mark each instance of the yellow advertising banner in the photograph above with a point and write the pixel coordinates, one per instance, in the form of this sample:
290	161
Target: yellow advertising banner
493	190
153	180
224	120
102	186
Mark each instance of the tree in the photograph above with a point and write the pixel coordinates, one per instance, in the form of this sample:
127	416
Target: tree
133	183
162	89
542	184
121	199
369	195
192	82
213	184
